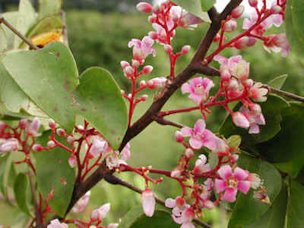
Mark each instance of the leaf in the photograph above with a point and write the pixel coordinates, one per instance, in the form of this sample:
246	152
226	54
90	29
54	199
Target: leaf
26	18
46	24
194	7
295	212
247	209
48	76
207	4
11	94
20	189
49	8
294	16
135	218
272	110
100	102
278	82
286	150
55	175
6	33
10	215
275	216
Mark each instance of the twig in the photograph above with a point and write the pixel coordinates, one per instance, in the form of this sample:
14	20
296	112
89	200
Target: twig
284	93
14	30
160	120
117	181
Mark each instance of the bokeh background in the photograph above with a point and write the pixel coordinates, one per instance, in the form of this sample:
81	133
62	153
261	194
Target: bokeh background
99	31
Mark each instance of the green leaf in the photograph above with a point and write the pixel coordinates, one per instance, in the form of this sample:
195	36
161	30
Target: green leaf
295	212
247	209
11	94
100	102
20	189
48	76
207	4
49	8
194	7
272	110
294	16
135	218
278	82
26	18
275	215
10	215
286	150
55	175
9	37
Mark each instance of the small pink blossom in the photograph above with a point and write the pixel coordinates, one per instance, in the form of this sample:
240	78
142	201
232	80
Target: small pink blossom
258	93
33	127
55	223
156	83
200	136
240	120
8	145
142	48
231	181
254	116
184	19
234	66
82	203
101	212
277	43
201	165
72	161
148	202
198	88
98	147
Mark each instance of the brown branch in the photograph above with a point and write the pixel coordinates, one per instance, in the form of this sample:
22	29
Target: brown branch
284	93
160	120
117	181
14	30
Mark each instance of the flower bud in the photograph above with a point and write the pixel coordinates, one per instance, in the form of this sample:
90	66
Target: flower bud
23	123
240	120
238	11
185	49
142	84
70	139
72	161
9	145
253	3
147	69
230	26
148	202
60	132
52	124
33	127
144	7
82	203
144	97
37	147
189	153
168	49
275	9
51	144
100	213
179	137
124	64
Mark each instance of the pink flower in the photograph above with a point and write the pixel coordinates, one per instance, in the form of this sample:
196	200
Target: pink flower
142	48
198	88
156	83
99	146
200	136
277	43
240	120
201	165
33	127
184	19
254	116
233	66
231	182
100	213
182	213
82	203
8	145
55	223
258	93
148	202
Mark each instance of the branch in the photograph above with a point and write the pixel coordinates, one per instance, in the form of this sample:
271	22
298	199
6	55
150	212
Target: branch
160	120
22	37
117	181
284	93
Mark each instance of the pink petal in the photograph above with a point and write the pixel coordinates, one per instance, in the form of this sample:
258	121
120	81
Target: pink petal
170	203
240	174
209	140
225	172
186	88
244	186
219	185
195	143
230	195
187	225
195	98
254	129
186	131
199	126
